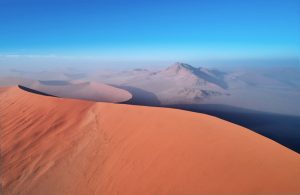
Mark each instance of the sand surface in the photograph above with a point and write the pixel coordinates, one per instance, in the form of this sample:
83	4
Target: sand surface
60	146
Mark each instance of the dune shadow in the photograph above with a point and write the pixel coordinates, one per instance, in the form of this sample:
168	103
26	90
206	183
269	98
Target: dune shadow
34	91
284	129
140	96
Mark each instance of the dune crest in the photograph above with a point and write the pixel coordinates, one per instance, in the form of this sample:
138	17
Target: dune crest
58	146
77	89
83	90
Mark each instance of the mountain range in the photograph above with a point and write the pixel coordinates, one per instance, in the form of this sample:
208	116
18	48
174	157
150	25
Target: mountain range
261	89
180	83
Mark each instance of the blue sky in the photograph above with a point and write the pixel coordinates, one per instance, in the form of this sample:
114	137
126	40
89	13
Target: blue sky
151	30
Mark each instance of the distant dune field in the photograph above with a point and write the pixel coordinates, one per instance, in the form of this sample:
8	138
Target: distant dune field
61	146
77	89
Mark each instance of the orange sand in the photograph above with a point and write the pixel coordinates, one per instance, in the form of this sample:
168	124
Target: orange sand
58	146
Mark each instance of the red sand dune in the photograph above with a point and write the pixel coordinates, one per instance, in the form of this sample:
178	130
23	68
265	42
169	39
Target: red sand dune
58	146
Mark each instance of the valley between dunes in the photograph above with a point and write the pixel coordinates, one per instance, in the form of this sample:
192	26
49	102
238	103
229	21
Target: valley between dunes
62	146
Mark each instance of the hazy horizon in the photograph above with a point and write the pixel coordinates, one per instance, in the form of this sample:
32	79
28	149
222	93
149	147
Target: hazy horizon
42	63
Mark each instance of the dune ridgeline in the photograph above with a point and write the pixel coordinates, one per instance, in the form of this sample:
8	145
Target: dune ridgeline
62	146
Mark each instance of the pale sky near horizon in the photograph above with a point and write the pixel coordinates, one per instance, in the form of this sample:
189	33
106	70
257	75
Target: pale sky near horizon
145	32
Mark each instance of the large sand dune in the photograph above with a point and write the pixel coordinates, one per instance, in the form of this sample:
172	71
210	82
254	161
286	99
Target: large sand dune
57	146
77	89
82	90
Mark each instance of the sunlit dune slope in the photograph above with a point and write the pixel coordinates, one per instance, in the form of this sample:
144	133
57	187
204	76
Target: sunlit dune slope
57	146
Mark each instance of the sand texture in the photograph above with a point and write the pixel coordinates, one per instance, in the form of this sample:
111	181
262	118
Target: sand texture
61	146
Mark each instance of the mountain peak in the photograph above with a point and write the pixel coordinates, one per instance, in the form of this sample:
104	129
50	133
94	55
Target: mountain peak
178	67
197	74
182	65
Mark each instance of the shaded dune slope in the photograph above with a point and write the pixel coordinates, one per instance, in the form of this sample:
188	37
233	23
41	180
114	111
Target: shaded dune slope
281	128
34	91
56	146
